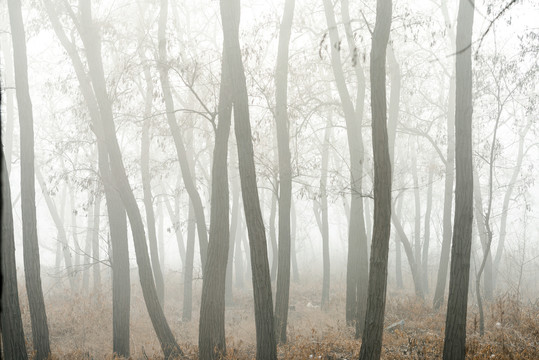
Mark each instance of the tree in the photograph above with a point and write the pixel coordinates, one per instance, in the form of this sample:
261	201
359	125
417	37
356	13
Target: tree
13	342
285	173
38	316
371	345
187	175
211	335
265	331
455	330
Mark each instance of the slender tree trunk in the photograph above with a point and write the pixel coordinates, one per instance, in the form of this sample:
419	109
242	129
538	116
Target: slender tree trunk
188	178
417	217
32	271
238	255
62	236
285	172
13	343
455	330
398	255
273	235
371	345
9	82
234	228
88	243
293	221
439	293
76	245
146	179
265	330
426	240
92	45
357	262
211	335
507	198
121	286
95	243
188	268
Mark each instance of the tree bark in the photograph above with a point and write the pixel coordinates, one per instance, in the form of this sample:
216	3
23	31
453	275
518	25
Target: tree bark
32	272
13	342
371	345
265	330
426	240
455	331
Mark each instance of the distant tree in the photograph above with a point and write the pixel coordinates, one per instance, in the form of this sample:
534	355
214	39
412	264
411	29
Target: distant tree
455	329
13	343
371	346
32	272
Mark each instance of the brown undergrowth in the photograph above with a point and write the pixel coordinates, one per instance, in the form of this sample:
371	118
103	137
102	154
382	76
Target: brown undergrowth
81	326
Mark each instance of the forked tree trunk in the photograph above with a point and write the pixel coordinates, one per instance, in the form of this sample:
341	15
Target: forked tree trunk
13	342
371	345
265	330
455	330
32	271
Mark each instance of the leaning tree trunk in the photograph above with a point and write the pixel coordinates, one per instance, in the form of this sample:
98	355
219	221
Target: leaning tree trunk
265	331
371	345
92	46
146	179
455	330
13	342
32	271
188	178
211	334
285	173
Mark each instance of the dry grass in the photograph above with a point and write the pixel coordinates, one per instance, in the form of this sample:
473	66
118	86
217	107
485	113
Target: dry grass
81	326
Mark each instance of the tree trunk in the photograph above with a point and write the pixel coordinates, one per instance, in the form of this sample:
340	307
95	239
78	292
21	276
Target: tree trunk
121	286
13	342
417	207
38	316
92	46
234	229
95	243
371	345
146	179
273	236
455	330
285	172
426	240
211	335
295	272
265	330
188	178
398	255
188	268
357	262
62	236
88	244
439	293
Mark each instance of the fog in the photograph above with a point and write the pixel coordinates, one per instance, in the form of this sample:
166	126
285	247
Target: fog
269	179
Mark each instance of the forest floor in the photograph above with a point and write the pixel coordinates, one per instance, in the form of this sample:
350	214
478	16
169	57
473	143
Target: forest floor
81	325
